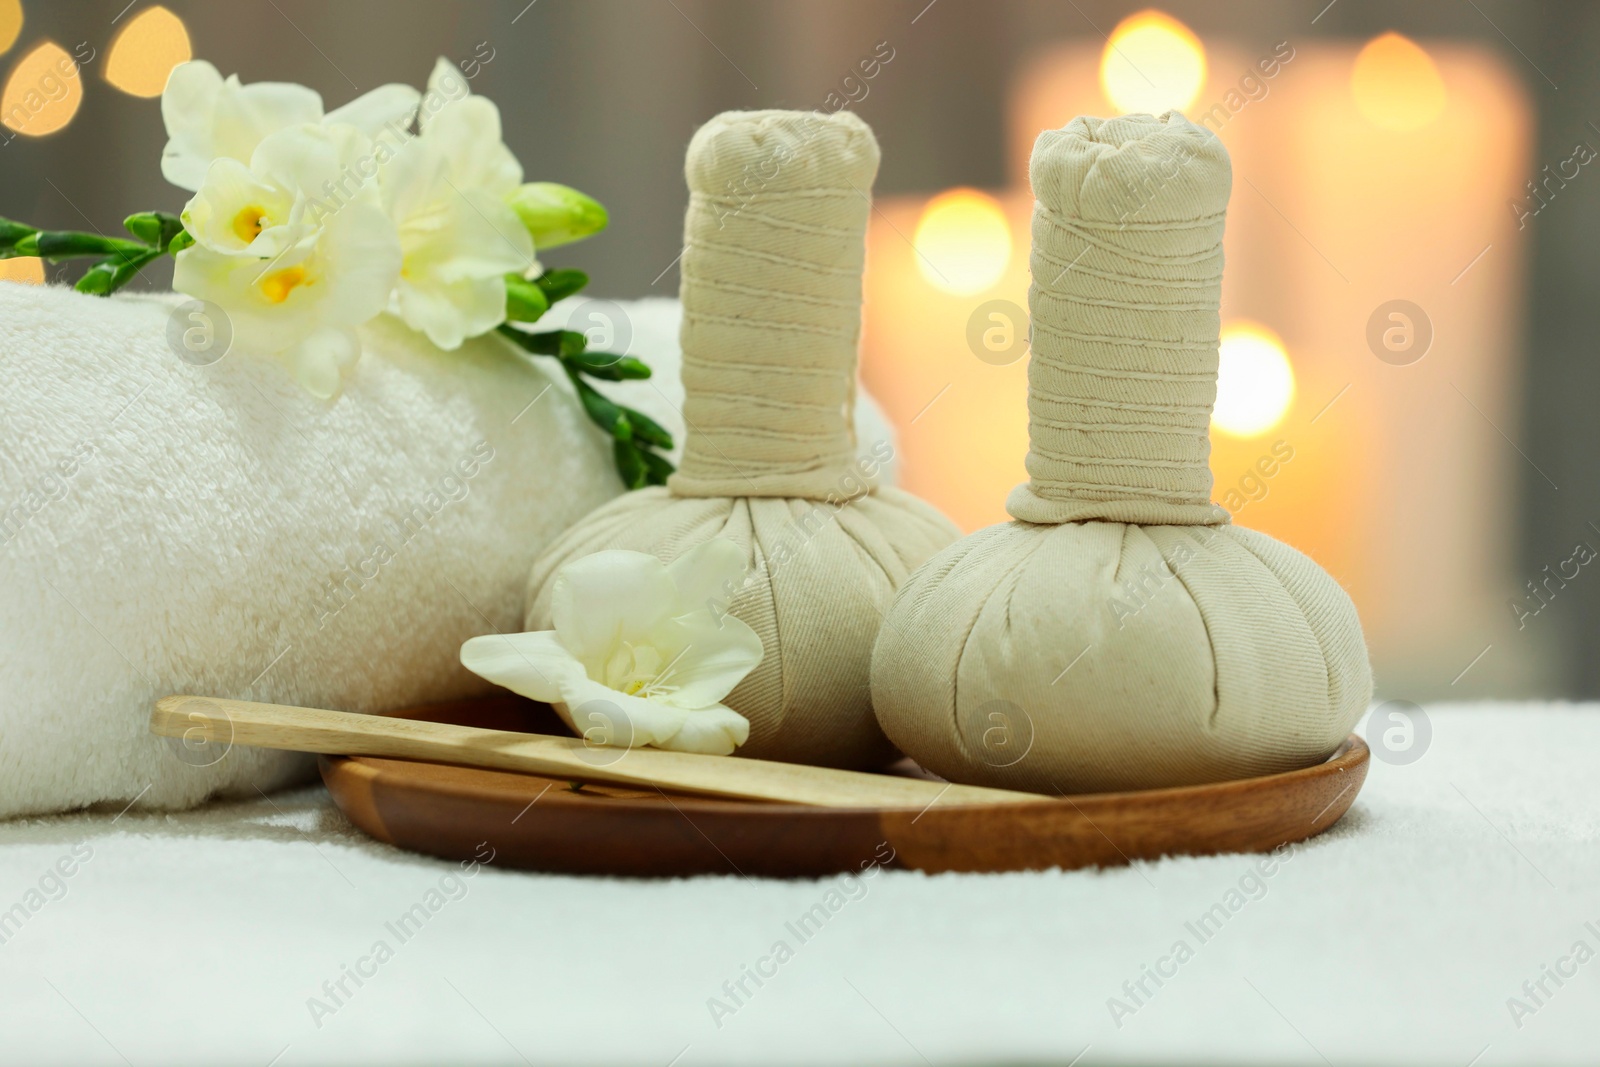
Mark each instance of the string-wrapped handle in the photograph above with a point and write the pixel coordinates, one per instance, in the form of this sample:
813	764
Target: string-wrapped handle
774	242
1127	283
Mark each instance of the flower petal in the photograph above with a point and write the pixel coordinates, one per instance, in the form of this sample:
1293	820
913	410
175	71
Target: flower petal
233	282
488	240
468	133
715	655
702	573
263	109
336	279
602	716
209	117
606	597
316	161
362	263
607	717
413	182
457	253
246	115
451	313
715	731
229	188
321	361
389	106
534	665
446	86
187	105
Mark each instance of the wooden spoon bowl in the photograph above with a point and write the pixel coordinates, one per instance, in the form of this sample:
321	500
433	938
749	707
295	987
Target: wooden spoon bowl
545	824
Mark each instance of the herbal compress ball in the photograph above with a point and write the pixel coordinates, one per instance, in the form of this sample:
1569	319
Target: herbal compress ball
773	247
1120	634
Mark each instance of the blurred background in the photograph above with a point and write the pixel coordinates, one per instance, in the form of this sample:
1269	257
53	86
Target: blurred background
1408	360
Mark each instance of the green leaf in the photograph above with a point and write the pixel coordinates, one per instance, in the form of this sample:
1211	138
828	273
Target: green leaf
550	343
525	301
647	429
560	284
633	433
113	272
605	414
154	228
657	467
631	464
608	366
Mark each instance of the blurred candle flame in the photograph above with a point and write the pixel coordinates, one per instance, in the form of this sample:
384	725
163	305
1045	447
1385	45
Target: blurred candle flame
26	269
963	242
1396	84
1255	381
1152	63
43	93
145	52
10	23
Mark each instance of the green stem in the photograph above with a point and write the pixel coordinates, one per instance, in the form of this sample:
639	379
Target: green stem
121	260
635	437
56	245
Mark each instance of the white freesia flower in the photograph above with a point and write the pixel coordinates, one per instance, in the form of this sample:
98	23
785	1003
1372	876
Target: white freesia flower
210	118
446	192
637	656
277	200
295	278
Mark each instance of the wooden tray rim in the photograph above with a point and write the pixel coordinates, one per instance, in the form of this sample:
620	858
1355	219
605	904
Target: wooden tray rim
1352	754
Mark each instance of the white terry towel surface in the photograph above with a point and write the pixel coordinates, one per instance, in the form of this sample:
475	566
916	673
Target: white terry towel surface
171	528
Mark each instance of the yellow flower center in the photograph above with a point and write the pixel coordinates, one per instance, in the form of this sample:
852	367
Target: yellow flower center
278	285
638	670
248	223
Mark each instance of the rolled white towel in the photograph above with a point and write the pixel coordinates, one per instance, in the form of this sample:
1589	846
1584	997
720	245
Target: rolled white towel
167	528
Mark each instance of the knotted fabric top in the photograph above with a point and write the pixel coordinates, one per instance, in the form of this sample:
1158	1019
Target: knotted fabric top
774	242
1127	282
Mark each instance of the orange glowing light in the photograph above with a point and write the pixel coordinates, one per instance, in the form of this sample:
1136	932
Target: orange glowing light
1255	381
43	92
963	242
1396	84
145	52
28	269
10	22
1152	63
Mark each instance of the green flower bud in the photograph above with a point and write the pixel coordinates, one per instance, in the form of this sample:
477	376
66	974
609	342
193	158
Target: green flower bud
525	301
556	215
154	228
560	284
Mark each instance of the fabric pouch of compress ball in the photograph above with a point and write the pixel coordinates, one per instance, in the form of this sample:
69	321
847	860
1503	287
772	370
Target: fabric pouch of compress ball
1121	634
775	239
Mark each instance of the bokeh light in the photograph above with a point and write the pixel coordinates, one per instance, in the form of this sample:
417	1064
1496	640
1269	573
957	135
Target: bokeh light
1396	84
29	269
10	22
43	92
963	242
1255	381
1152	63
145	52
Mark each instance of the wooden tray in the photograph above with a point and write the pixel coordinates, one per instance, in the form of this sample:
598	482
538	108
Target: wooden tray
544	824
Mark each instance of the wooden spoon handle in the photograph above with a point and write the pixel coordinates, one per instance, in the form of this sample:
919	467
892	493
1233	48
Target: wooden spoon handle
214	720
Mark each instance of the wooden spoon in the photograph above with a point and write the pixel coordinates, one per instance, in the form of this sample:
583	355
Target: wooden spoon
214	720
